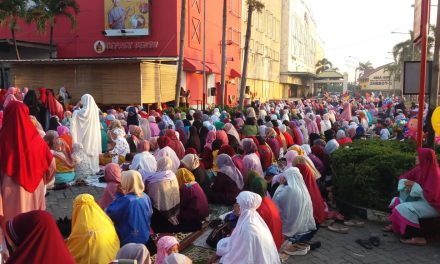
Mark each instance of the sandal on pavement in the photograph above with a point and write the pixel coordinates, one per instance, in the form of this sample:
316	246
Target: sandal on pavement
375	241
295	250
314	244
338	229
354	223
364	243
414	241
327	223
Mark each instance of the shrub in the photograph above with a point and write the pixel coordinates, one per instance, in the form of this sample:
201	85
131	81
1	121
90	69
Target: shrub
366	172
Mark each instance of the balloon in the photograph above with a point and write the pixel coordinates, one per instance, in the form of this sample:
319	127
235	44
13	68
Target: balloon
435	120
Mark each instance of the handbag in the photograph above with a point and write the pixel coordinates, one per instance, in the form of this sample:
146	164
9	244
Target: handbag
221	231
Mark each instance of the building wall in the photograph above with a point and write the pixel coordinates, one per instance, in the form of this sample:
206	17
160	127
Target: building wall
300	37
264	50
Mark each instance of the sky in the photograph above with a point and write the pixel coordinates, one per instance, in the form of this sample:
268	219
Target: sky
360	30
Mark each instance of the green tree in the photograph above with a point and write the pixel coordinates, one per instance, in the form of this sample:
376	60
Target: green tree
323	65
252	6
363	67
11	11
46	11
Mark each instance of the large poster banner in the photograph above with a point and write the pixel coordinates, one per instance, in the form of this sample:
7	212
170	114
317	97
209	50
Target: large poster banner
127	17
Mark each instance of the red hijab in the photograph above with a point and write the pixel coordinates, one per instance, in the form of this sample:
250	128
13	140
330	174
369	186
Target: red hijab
38	239
24	155
175	143
427	174
43	97
55	107
319	213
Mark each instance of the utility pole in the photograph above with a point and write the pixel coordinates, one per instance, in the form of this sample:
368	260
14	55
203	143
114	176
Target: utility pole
433	96
204	101
223	73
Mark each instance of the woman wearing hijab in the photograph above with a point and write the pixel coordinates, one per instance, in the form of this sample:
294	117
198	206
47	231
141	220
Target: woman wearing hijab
192	163
154	128
121	148
22	184
165	151
419	198
268	210
85	129
346	113
319	206
54	123
64	134
295	205
31	101
132	118
250	227
221	135
194	140
136	135
193	202
251	161
93	238
232	132
175	143
131	211
112	176
36	239
288	138
180	128
145	126
271	140
55	108
266	154
166	246
65	167
228	183
342	138
163	189
176	258
133	251
143	160
325	123
250	128
331	146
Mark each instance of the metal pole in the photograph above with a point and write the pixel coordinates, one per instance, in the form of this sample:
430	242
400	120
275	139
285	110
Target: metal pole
204	56
423	46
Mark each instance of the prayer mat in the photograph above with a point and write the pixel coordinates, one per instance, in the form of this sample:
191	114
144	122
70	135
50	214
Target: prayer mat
198	255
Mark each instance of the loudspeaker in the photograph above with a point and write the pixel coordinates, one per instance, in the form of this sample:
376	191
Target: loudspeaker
248	89
212	91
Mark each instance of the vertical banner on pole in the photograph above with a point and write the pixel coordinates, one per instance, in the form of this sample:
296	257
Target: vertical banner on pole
422	16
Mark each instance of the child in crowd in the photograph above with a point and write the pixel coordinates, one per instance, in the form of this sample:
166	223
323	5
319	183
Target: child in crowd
83	167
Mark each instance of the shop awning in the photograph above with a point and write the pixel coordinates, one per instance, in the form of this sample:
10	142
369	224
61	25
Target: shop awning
212	67
191	65
234	74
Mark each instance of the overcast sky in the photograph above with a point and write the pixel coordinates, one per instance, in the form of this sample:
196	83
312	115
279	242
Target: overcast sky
362	29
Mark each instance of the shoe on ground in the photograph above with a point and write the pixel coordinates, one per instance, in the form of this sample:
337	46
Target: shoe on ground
295	250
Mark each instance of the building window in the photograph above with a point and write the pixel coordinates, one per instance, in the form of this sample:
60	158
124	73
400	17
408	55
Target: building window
234	35
235	8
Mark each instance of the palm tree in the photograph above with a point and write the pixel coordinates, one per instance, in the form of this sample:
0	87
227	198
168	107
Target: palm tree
10	12
223	73
363	67
181	48
46	12
252	5
323	65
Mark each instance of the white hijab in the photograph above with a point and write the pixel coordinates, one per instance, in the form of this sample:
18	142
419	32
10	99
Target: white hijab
86	129
170	153
144	161
251	240
295	205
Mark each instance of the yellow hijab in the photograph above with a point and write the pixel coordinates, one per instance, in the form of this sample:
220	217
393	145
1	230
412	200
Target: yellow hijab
298	149
184	176
93	239
132	182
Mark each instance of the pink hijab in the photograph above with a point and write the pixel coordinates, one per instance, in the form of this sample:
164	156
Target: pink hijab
164	244
10	96
221	134
427	174
346	113
112	175
210	138
290	156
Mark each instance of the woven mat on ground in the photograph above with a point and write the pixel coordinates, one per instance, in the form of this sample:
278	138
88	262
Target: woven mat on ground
198	255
